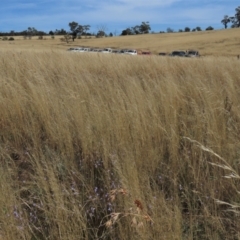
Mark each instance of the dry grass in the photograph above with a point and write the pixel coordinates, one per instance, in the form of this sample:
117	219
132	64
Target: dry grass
209	43
114	147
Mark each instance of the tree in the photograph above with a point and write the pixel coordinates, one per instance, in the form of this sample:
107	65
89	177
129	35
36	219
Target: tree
170	30
180	30
187	29
236	19
60	32
127	31
101	30
124	32
31	31
237	16
144	27
100	34
209	28
78	30
75	28
198	29
110	34
84	29
225	21
136	30
51	33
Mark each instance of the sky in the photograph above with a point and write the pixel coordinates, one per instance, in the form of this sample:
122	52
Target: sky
113	15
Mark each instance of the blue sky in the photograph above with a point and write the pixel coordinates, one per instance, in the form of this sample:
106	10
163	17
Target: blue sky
115	15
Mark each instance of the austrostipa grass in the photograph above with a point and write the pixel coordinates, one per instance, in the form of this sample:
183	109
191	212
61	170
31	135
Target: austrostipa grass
136	214
232	174
93	147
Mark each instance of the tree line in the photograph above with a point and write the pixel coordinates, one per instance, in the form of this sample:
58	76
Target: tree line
138	29
77	30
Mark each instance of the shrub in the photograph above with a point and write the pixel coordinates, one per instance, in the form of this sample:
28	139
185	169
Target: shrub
209	28
4	38
11	39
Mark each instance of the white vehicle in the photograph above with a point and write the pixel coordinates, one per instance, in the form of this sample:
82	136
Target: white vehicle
131	52
107	50
79	49
192	53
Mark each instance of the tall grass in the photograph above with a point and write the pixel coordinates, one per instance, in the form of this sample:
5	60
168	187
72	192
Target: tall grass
107	147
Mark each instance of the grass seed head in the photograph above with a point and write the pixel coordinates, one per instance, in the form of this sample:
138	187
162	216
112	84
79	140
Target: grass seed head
138	204
122	191
114	217
134	222
109	223
140	225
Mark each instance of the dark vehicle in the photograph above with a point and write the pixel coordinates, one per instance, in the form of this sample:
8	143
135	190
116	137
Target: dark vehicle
178	54
146	53
115	51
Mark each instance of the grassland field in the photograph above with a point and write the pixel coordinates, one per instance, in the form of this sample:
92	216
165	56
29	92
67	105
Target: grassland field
115	147
208	43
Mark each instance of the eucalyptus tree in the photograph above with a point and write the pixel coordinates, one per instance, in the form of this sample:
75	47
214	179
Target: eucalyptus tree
236	18
225	21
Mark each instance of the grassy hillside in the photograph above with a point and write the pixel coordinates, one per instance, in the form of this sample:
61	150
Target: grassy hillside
116	147
209	43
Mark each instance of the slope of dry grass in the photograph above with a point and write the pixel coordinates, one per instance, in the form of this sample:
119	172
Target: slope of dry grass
209	43
103	147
